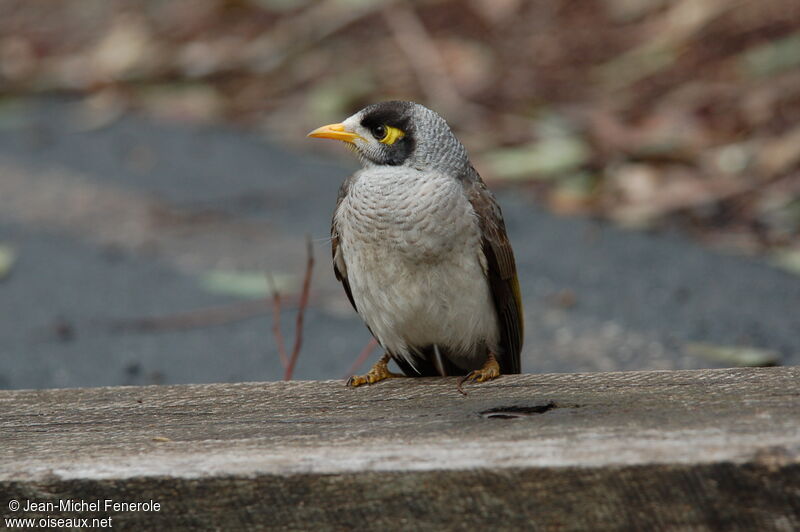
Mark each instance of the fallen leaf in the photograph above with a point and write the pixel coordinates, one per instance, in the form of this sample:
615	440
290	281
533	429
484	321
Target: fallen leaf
777	56
496	11
788	260
733	355
280	5
682	21
127	46
779	213
8	257
731	158
331	99
573	194
636	183
677	189
543	159
246	284
780	154
17	58
629	10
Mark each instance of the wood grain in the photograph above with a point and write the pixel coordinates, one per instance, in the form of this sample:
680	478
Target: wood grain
708	449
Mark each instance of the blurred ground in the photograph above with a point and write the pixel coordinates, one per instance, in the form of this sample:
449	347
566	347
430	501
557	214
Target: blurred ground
140	206
150	220
647	112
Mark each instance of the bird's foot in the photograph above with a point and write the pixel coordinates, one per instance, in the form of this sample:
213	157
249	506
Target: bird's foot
490	370
380	371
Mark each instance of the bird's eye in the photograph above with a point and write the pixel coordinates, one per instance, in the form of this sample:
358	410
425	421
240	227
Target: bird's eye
379	132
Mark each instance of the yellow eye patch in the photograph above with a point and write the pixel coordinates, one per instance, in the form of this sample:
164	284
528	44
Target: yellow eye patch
392	135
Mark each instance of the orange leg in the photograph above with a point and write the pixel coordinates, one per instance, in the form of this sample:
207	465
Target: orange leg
490	370
380	371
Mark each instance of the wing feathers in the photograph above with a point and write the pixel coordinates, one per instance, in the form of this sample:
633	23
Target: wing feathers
502	270
339	267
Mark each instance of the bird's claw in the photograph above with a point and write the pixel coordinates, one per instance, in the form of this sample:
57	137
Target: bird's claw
490	370
380	371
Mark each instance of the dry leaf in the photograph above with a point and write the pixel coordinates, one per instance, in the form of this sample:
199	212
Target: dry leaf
788	260
247	284
546	158
125	48
8	256
741	356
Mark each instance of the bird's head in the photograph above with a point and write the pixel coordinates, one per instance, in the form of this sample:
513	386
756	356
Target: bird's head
399	133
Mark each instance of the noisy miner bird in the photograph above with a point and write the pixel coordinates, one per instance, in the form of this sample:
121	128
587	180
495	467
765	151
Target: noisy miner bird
420	246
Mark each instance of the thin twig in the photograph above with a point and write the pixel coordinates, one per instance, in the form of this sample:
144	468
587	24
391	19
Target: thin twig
192	319
298	329
362	357
276	321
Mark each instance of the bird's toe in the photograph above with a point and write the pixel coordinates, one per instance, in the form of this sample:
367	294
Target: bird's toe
380	371
489	371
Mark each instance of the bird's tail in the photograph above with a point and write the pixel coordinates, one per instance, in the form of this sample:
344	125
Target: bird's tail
429	361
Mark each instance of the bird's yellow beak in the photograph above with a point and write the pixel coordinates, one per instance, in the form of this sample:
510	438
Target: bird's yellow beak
334	131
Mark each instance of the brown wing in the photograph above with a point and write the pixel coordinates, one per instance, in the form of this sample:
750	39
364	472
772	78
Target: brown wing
339	268
501	270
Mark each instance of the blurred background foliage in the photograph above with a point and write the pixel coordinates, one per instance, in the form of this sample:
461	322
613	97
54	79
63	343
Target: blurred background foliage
681	113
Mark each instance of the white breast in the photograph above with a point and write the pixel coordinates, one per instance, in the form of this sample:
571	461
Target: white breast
412	250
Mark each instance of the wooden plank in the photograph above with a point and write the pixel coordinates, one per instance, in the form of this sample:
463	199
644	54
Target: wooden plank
708	449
